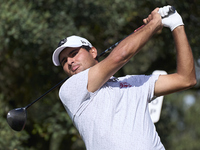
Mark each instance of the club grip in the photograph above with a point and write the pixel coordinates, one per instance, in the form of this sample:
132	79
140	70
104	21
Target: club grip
172	10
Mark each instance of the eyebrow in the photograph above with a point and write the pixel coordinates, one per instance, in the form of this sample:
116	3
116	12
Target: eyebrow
73	51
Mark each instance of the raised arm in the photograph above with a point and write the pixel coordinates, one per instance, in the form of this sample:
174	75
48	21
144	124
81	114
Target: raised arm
185	77
102	71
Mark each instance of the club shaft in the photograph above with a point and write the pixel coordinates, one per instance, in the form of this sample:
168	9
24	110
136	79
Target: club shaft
26	107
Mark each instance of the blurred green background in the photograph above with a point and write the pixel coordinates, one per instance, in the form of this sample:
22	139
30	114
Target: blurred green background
30	31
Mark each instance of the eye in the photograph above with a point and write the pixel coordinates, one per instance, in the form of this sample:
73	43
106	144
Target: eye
64	61
73	53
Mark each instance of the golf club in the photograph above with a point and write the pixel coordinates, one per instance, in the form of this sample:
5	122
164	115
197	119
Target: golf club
17	117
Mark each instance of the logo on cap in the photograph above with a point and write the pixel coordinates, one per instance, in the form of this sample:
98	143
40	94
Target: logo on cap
63	41
83	42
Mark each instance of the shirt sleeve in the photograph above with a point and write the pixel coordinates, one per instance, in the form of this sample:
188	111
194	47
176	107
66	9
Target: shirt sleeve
145	84
73	93
152	82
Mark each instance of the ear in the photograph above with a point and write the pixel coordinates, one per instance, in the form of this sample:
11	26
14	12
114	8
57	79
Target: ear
93	51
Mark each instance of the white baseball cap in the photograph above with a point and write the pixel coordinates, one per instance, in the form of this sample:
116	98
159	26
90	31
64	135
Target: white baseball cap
71	41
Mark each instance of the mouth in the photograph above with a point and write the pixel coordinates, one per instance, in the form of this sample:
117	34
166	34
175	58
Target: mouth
74	68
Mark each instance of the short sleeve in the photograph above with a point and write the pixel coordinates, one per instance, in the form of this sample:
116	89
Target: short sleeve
145	85
152	82
74	92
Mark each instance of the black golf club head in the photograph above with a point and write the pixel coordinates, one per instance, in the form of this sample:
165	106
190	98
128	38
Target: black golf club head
16	118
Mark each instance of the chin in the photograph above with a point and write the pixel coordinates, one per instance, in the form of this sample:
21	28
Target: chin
73	73
77	71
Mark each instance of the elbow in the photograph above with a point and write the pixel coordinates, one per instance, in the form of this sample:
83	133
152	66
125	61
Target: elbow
119	58
191	82
188	79
123	53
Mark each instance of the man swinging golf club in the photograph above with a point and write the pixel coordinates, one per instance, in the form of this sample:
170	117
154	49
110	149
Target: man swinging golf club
111	113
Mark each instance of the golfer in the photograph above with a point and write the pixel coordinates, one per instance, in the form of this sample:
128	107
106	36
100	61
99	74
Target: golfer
112	113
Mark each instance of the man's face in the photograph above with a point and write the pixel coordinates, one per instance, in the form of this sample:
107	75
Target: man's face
75	60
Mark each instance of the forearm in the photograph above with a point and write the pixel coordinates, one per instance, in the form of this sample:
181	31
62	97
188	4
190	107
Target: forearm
185	61
134	42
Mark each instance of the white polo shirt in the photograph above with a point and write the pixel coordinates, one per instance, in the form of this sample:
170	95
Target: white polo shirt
116	116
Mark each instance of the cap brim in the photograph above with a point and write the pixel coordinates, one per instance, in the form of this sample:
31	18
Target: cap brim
55	56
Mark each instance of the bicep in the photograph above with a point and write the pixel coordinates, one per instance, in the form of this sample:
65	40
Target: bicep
101	72
167	84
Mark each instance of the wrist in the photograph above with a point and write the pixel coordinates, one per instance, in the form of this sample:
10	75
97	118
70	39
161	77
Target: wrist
178	29
155	25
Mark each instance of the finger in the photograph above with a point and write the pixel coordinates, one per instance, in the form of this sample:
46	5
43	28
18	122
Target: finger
150	18
156	10
145	21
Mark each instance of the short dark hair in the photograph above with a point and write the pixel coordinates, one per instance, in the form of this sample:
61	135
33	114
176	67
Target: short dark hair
87	48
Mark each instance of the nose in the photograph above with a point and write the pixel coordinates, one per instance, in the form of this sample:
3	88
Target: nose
70	60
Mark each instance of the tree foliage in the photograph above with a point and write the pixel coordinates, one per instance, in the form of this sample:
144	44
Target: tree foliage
29	33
